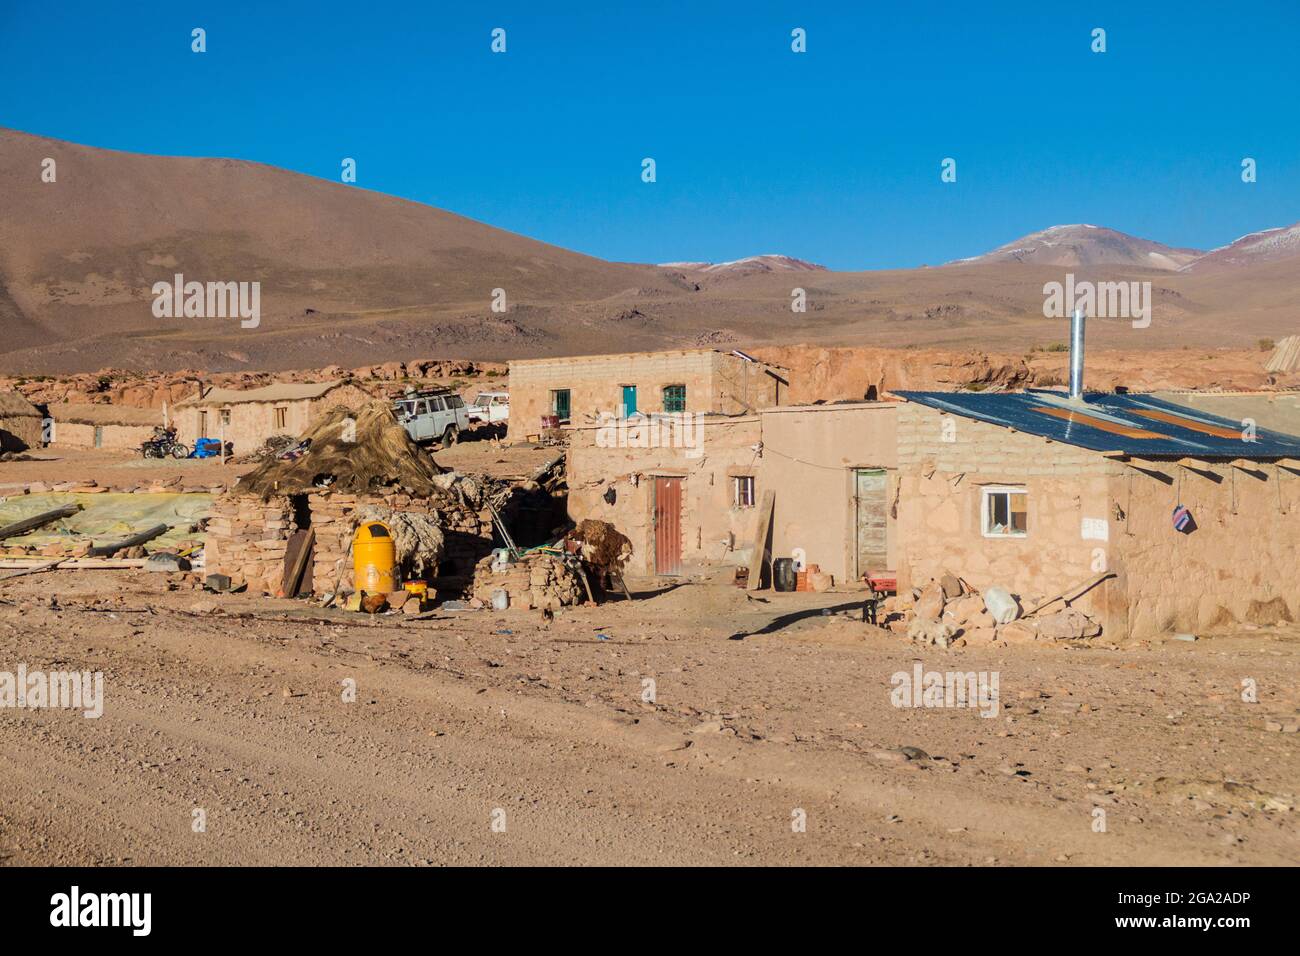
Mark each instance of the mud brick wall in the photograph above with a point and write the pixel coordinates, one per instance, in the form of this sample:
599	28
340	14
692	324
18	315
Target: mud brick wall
715	382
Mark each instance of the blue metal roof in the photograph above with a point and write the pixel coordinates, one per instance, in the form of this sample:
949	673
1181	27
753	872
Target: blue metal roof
1135	424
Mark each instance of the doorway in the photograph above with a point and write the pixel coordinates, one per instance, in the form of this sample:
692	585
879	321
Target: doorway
668	525
629	401
870	544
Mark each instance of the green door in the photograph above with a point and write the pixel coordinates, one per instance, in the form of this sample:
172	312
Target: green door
560	402
629	400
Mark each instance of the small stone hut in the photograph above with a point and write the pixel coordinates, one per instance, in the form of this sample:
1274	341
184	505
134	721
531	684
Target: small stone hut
350	466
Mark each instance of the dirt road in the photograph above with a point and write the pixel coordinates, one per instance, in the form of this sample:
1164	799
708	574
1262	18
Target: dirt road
496	738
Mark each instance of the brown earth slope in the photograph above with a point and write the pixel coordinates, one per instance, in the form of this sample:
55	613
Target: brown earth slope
351	277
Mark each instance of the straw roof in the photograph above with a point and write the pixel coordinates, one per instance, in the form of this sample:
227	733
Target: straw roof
13	405
372	454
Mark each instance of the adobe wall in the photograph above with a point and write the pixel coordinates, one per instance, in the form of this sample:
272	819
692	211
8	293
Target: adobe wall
713	531
809	454
939	499
1246	546
81	435
715	382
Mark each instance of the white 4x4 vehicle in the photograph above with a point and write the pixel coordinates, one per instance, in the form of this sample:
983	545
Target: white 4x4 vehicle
432	417
490	407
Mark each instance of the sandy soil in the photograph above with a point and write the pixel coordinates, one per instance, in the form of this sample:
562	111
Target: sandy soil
762	708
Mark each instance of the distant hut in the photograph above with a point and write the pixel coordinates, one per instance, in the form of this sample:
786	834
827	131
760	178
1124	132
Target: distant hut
102	426
20	423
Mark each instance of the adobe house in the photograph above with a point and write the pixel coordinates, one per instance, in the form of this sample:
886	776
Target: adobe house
248	417
682	488
582	388
102	426
688	491
833	469
1042	493
20	423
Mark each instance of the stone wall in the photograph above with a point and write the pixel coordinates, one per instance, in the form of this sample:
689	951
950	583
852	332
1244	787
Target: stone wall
1243	555
945	461
248	538
20	432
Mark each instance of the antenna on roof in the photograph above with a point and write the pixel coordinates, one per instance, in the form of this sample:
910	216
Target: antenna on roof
1076	354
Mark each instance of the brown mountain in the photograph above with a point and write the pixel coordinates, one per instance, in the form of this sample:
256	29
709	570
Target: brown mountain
1271	245
351	277
1085	245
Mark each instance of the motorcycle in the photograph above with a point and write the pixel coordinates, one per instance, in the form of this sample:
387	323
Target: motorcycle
164	446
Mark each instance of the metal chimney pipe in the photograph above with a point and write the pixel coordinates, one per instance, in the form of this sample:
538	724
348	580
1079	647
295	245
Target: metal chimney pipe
1076	354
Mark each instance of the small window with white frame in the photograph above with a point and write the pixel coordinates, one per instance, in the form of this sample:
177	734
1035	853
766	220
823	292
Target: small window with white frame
742	491
1005	511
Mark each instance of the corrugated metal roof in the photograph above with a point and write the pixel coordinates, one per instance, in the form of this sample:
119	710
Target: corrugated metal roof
1135	424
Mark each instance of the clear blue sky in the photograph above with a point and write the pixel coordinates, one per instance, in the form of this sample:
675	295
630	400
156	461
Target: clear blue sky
832	155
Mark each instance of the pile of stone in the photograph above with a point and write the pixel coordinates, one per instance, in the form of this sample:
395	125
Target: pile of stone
537	580
948	612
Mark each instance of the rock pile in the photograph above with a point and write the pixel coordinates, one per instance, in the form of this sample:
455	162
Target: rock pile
947	611
537	580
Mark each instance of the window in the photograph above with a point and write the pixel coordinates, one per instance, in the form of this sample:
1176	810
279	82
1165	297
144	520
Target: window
435	404
742	491
560	404
225	416
674	398
281	416
455	401
1005	512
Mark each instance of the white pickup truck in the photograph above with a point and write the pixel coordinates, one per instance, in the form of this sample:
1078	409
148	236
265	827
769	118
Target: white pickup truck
489	407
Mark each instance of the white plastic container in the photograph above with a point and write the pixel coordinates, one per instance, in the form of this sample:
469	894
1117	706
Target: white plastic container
1000	603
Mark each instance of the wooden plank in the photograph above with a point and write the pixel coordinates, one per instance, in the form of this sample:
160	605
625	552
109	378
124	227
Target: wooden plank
295	561
1072	593
761	553
73	564
108	550
35	521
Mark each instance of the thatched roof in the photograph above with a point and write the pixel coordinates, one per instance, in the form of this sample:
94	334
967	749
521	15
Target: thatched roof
373	454
13	405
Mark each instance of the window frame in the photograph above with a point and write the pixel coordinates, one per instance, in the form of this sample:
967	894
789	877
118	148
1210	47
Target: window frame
555	403
986	492
280	416
664	398
738	482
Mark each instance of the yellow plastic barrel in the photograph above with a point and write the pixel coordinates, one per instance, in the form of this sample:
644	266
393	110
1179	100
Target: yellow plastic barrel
374	558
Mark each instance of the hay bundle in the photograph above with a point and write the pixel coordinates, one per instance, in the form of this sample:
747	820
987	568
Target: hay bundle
358	452
602	545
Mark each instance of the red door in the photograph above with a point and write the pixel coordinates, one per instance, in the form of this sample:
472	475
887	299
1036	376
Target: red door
668	525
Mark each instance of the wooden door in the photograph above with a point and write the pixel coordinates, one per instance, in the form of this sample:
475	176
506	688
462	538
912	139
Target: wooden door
629	401
869	503
668	525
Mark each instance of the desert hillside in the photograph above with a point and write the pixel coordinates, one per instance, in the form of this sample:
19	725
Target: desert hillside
352	277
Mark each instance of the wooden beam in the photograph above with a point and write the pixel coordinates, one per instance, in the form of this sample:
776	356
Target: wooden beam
73	564
35	521
108	550
761	554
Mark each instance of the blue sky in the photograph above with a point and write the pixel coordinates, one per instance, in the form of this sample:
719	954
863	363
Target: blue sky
832	155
